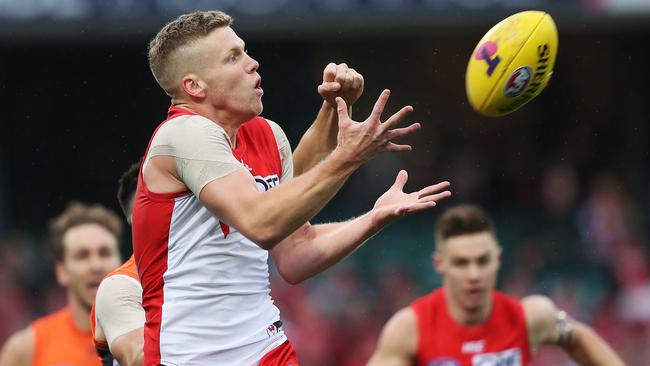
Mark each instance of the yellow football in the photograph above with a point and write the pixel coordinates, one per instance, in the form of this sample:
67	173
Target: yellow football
512	63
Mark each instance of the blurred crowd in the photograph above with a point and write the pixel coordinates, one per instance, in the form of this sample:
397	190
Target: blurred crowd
587	251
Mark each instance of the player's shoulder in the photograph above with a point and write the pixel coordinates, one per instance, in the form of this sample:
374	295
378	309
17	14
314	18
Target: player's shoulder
19	348
400	334
188	123
114	285
539	310
55	317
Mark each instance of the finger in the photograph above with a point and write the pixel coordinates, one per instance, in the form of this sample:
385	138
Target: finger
400	180
357	83
414	207
349	80
399	132
396	117
427	191
436	197
332	86
379	105
341	72
329	73
342	109
393	147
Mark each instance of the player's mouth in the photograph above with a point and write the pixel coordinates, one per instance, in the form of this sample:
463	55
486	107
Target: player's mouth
258	86
474	292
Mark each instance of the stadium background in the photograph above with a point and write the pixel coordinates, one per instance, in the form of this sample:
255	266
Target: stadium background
566	177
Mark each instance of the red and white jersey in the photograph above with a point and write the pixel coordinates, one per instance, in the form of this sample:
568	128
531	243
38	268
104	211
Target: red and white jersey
501	340
206	287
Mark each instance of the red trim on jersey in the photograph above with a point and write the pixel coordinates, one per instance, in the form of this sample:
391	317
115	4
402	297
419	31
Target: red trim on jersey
152	211
440	337
283	355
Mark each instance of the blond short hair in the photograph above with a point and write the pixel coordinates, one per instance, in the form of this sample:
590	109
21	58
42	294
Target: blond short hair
178	33
77	214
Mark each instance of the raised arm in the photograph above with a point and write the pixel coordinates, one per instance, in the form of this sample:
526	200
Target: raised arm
269	217
548	325
320	139
314	248
398	341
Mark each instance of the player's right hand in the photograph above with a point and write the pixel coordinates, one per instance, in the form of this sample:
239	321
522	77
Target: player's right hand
361	141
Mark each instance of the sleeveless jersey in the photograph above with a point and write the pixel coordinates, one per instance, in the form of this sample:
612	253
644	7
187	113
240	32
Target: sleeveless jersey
57	341
126	269
205	286
501	340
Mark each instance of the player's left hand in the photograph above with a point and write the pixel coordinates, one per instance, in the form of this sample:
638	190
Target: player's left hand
340	81
395	202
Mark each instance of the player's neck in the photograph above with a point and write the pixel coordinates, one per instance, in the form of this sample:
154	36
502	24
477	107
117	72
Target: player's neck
468	317
80	313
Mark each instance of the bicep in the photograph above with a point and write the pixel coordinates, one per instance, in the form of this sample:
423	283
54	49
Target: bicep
19	349
118	307
397	344
231	197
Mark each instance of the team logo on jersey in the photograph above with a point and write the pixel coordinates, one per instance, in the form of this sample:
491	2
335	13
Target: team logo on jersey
509	357
444	361
517	82
484	52
473	346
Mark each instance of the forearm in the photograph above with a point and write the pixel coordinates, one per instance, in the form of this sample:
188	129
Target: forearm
313	249
588	348
318	141
269	217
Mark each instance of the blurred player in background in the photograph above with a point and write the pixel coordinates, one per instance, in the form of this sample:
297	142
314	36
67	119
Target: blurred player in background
117	320
467	322
205	215
84	241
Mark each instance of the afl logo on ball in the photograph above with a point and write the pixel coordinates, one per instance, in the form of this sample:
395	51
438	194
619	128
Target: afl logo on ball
517	82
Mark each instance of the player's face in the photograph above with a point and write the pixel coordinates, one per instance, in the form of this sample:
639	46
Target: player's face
469	265
233	84
90	252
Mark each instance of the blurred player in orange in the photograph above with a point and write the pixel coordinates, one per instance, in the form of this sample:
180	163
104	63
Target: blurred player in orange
468	323
84	242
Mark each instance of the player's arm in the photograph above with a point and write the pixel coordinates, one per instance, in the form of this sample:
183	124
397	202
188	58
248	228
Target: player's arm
269	217
398	341
19	349
547	325
314	248
128	349
320	139
119	312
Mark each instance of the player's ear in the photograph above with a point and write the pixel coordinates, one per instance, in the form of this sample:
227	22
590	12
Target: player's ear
193	86
498	256
61	274
437	262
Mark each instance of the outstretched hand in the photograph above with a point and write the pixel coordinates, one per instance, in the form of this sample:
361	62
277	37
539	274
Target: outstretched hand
361	141
340	81
395	202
